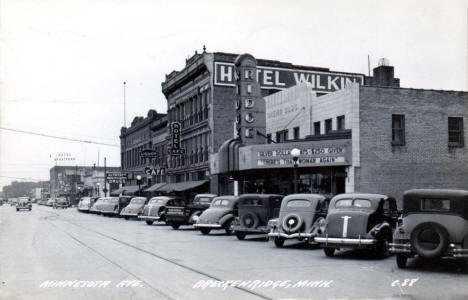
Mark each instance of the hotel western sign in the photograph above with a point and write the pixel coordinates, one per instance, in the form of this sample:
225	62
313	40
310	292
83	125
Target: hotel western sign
313	154
281	78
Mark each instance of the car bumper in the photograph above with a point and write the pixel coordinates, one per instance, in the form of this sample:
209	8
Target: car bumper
345	241
109	212
152	218
198	225
129	215
296	235
259	230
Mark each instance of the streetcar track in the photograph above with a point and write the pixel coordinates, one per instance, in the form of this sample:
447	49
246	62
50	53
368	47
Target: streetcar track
114	263
168	260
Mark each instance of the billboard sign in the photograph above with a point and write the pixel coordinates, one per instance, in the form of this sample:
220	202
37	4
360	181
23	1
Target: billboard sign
281	78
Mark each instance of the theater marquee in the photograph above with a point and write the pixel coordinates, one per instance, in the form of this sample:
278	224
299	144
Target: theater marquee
281	78
313	154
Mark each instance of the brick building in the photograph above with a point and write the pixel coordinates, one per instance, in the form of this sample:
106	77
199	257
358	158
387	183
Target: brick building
202	98
365	139
144	133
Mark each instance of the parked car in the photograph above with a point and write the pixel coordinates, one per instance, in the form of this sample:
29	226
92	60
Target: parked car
134	208
96	207
434	225
23	203
113	205
359	221
84	204
61	202
50	202
300	218
155	210
255	210
188	214
220	215
13	201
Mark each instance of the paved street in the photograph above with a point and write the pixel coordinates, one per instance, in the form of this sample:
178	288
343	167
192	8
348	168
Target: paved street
47	245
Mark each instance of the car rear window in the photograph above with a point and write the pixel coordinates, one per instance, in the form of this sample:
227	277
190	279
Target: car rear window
137	201
435	204
221	202
205	200
253	202
298	203
357	203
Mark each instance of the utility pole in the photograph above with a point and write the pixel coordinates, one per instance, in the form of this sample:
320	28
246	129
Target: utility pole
105	178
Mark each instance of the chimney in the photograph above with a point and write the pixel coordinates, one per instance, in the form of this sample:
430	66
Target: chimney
384	74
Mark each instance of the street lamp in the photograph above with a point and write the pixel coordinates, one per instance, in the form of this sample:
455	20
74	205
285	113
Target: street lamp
98	188
138	178
295	155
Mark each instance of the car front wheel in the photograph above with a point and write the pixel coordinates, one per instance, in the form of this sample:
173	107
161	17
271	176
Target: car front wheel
329	251
240	235
401	260
228	227
175	225
279	242
205	231
149	222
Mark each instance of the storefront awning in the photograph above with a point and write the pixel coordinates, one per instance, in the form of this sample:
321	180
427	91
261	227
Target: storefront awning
155	187
127	190
181	186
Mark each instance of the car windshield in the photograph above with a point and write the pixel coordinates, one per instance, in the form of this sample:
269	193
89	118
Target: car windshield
357	203
252	202
137	201
298	203
85	201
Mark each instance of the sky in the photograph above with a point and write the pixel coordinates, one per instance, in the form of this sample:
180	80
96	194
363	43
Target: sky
63	62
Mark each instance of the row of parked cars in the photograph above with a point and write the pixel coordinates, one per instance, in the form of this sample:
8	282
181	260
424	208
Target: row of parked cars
432	223
56	203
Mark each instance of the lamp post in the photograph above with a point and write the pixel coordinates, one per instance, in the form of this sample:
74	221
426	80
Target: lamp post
295	155
138	178
98	189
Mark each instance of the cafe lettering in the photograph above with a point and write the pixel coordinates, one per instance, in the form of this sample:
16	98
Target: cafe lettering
281	78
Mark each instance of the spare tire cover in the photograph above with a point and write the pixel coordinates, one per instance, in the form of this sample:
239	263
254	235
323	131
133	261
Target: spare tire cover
249	220
429	240
291	223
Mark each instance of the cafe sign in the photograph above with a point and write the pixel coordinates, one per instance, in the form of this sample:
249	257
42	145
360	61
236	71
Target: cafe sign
281	78
313	154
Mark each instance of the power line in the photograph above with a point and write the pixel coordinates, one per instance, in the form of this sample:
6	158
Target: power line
59	137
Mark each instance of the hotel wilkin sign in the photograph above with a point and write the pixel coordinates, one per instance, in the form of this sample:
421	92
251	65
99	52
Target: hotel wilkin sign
313	153
281	78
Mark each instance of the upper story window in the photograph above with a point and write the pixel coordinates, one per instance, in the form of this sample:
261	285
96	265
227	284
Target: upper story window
269	138
340	123
328	125
281	136
296	133
398	130
317	128
455	132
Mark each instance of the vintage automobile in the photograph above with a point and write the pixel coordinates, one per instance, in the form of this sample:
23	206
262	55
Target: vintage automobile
300	218
359	221
13	201
113	206
220	215
134	208
50	202
255	210
61	202
84	204
96	207
23	203
187	214
155	210
434	224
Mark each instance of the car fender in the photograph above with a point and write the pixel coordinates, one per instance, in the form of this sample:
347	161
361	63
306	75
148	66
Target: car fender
381	227
226	218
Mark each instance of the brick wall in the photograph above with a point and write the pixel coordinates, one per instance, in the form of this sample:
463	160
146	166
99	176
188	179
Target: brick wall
425	161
